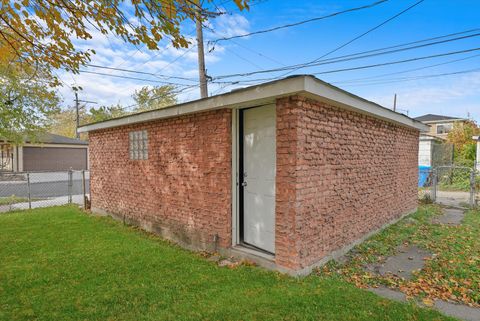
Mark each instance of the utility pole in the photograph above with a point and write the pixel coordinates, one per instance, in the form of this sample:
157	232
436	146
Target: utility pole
201	56
395	102
77	118
77	111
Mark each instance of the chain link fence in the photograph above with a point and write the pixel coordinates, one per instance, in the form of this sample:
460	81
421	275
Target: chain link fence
448	185
27	190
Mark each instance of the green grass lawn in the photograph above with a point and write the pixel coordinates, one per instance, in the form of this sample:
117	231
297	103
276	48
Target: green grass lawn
453	273
60	264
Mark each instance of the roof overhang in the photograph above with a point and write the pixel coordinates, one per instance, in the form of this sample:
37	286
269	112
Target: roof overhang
441	121
430	137
304	85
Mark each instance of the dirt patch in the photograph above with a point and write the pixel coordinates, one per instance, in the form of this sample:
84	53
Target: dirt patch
409	259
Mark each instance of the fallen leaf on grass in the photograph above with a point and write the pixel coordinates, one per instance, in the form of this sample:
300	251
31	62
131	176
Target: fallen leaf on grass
428	302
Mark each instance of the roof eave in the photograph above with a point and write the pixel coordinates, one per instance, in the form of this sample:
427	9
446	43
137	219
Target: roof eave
442	120
262	94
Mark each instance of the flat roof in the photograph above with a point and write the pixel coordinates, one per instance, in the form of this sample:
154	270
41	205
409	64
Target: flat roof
305	85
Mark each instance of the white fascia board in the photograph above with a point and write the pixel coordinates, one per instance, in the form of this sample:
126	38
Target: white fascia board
41	145
251	96
429	137
452	120
263	94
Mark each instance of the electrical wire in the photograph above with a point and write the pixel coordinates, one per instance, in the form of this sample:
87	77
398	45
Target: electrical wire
364	66
155	98
177	58
360	36
300	22
132	78
243	46
403	79
350	57
140	72
404	71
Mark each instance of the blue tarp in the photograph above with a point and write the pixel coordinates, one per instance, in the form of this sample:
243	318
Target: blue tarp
423	174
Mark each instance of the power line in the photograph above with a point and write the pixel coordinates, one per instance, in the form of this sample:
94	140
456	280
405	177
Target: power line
361	35
300	22
404	71
370	66
350	57
155	98
245	47
233	52
177	58
409	43
402	79
168	46
140	72
398	61
132	78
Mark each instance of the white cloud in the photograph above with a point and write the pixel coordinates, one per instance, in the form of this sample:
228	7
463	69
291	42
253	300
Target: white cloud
114	52
230	25
452	95
419	94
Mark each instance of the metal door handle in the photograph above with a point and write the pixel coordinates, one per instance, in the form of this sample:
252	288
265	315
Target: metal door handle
244	184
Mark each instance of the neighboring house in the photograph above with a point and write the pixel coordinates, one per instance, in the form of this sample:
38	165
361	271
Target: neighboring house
49	152
426	149
289	173
433	151
440	125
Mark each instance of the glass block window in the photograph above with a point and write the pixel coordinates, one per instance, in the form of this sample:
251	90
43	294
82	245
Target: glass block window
138	144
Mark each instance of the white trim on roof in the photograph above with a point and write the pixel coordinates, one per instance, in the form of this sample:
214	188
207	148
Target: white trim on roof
451	120
267	93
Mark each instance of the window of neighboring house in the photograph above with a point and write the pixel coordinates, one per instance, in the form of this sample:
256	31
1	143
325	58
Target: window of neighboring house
444	128
138	144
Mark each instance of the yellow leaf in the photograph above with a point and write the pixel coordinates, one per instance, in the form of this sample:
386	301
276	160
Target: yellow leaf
428	302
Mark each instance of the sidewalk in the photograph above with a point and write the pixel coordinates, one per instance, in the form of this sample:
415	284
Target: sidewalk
62	200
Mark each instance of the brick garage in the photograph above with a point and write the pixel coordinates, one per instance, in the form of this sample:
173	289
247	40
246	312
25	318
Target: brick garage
325	169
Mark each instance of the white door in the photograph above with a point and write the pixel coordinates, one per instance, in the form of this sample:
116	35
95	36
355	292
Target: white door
259	155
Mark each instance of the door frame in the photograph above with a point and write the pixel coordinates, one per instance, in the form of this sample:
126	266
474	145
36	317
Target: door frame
237	170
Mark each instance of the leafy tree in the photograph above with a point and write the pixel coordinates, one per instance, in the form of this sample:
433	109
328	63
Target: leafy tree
64	121
461	137
153	98
42	30
26	99
37	37
104	113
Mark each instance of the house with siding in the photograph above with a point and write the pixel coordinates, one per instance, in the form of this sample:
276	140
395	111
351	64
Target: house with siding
440	125
289	173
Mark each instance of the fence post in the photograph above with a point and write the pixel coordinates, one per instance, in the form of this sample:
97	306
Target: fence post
84	191
29	192
472	188
434	185
70	183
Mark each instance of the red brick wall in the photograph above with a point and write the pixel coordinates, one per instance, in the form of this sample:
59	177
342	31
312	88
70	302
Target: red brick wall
183	190
340	175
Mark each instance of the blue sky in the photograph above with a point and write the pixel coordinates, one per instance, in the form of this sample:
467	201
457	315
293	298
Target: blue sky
456	95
